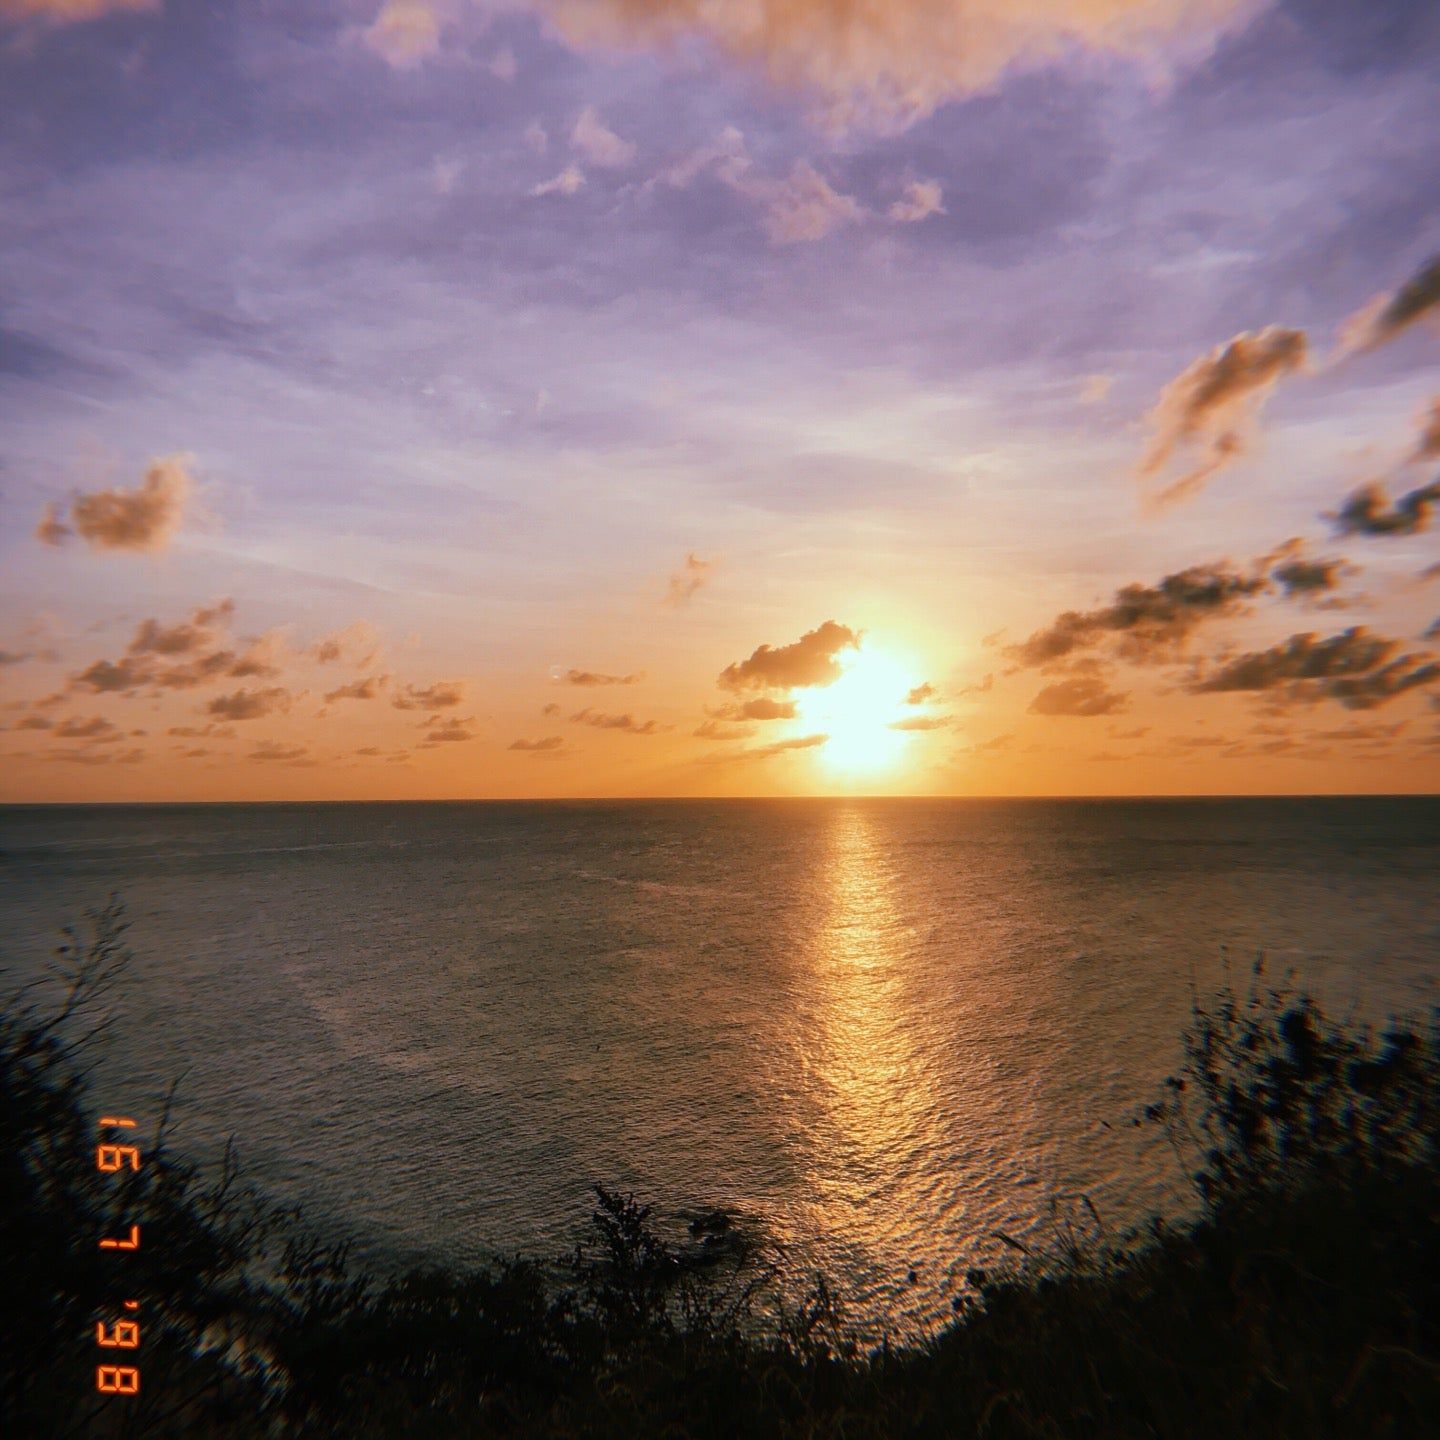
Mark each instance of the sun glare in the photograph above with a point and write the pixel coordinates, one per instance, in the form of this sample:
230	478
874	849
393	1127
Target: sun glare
857	712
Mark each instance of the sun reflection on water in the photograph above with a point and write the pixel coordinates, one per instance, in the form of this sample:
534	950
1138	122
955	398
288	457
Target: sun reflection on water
882	1122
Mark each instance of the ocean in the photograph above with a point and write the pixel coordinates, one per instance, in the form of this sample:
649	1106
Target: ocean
875	1032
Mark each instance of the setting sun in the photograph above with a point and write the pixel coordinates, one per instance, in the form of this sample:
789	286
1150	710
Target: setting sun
858	711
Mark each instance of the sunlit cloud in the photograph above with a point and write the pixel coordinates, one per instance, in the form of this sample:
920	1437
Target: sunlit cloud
549	744
599	144
922	199
567	182
405	34
889	64
72	12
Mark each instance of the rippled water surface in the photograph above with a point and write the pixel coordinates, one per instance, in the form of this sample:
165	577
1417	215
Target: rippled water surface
879	1031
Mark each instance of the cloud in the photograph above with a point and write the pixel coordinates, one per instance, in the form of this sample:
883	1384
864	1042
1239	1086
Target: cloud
600	145
450	731
549	743
591	677
1151	620
921	722
95	728
36	722
1080	695
1094	388
1386	316
51	529
888	64
272	750
551	709
245	704
1427	447
681	587
405	34
921	200
72	12
145	519
440	696
1355	667
714	730
920	694
197	644
369	688
357	642
1310	577
626	722
1367	511
762	708
802	207
764	752
1210	405
503	65
809	661
536	138
567	182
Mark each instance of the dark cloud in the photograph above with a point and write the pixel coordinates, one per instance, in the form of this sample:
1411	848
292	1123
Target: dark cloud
1309	577
369	688
1387	316
761	708
551	709
764	752
1149	620
1358	669
549	743
714	730
1209	406
274	751
183	656
450	731
1427	447
245	704
93	729
809	661
592	677
626	722
1080	695
1368	511
146	518
439	696
692	576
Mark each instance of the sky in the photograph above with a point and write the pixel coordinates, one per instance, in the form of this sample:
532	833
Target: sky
507	398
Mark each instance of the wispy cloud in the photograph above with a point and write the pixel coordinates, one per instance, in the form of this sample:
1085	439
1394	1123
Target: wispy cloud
1208	408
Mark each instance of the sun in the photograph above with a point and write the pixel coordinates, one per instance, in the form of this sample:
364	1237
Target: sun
857	712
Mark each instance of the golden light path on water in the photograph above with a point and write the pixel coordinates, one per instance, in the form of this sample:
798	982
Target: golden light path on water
868	1068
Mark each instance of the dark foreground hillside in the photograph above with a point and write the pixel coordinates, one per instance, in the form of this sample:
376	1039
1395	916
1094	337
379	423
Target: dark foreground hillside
1305	1300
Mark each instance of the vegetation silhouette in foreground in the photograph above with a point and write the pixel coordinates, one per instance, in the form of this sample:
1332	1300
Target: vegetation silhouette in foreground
1303	1301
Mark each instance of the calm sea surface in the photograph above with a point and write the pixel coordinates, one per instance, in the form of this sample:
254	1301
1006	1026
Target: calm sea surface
875	1031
